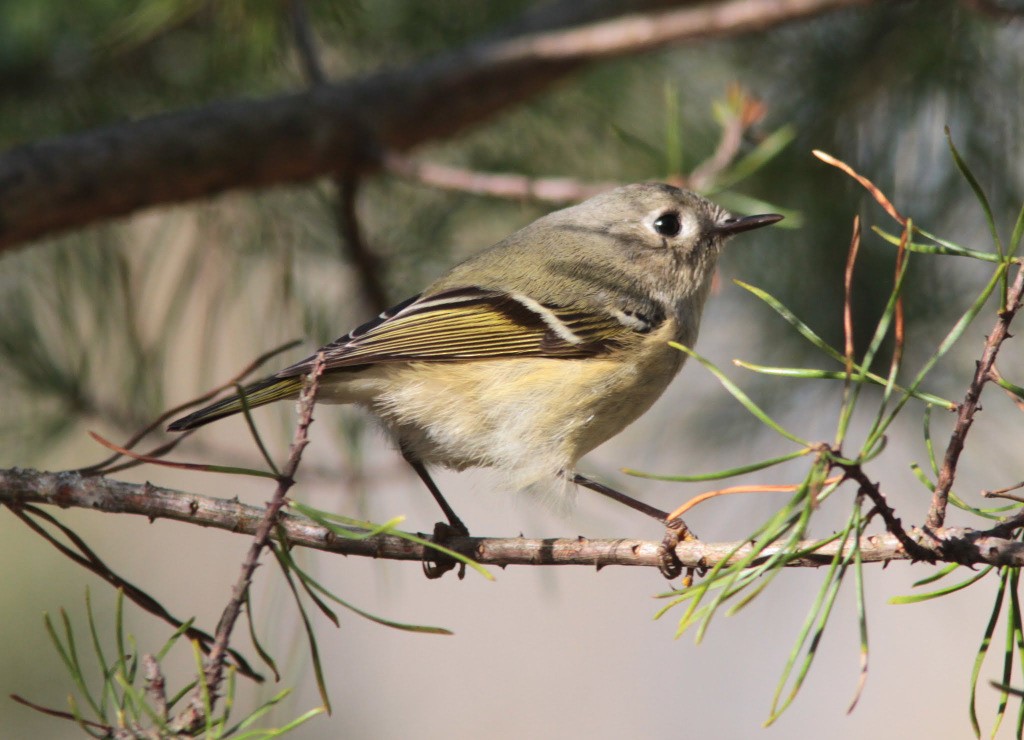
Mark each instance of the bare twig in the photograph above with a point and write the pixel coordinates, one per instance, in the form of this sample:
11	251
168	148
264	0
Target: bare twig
367	264
68	489
1006	492
305	43
194	714
911	546
970	405
494	184
726	151
564	189
557	190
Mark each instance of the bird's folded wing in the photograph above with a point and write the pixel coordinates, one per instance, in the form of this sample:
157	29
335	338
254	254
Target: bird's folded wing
471	324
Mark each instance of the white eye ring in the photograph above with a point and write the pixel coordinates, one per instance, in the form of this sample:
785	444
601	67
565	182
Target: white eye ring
672	223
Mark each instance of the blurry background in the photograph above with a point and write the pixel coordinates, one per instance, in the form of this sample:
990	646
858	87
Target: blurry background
104	327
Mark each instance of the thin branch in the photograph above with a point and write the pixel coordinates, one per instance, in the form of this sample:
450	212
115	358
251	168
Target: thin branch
994	9
69	489
1006	493
970	405
367	264
305	43
193	716
494	184
58	184
911	546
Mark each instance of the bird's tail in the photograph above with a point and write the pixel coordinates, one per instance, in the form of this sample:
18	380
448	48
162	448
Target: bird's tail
259	393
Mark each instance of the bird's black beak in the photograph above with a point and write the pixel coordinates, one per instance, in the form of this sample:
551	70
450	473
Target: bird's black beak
731	226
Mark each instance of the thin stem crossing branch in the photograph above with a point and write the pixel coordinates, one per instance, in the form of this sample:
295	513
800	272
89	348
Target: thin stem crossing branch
193	716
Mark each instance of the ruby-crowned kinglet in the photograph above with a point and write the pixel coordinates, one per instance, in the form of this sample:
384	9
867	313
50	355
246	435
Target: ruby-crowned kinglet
535	351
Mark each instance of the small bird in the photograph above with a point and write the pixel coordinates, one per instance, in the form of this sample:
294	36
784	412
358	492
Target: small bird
532	353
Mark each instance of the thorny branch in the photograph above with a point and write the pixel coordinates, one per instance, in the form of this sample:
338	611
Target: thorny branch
893	524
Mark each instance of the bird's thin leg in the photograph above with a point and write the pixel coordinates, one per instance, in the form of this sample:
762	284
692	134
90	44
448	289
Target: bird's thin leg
676	529
441	563
593	485
421	471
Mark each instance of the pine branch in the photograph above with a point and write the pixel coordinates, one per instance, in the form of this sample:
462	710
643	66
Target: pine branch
20	486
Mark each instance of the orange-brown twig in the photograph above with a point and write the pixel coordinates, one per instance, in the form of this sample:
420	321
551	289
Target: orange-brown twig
877	194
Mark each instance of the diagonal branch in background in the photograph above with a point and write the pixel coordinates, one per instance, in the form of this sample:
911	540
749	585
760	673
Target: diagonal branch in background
54	185
20	486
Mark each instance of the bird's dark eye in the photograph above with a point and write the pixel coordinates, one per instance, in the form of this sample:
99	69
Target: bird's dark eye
667	224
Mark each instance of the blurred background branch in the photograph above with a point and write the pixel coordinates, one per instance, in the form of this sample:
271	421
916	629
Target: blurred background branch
48	186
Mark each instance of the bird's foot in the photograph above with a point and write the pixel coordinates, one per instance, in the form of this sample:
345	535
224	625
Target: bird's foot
671	566
437	563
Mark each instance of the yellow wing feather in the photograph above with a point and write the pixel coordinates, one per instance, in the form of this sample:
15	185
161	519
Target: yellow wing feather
469	324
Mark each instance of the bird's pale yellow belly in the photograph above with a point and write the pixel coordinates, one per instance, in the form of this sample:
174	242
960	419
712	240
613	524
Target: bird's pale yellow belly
532	417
